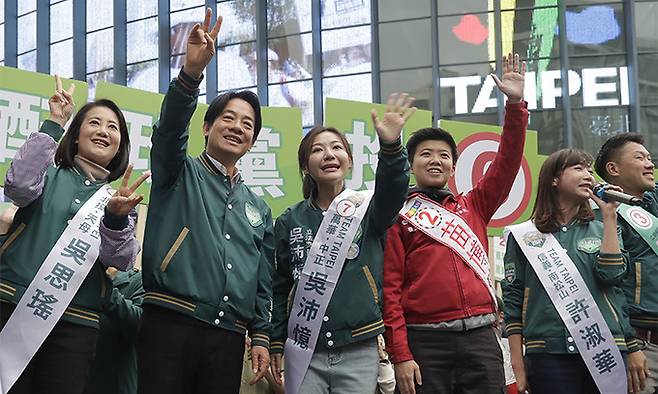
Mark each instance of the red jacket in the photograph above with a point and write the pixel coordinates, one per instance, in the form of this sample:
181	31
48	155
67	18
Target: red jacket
424	281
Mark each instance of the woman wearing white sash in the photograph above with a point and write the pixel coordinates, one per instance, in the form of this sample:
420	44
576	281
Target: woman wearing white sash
554	357
50	183
345	357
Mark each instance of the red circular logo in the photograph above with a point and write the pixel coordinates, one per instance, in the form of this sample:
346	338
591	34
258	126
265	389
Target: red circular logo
476	153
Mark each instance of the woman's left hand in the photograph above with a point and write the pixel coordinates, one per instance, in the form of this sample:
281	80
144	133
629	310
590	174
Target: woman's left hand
608	208
125	199
398	111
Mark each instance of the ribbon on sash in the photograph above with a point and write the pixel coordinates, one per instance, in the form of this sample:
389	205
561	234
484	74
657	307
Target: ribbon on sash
643	222
318	280
60	276
452	231
575	305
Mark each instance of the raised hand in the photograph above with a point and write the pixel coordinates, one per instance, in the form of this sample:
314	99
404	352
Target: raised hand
513	78
201	45
398	111
125	199
61	103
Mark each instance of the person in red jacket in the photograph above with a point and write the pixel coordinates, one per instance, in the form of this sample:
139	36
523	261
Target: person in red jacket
438	302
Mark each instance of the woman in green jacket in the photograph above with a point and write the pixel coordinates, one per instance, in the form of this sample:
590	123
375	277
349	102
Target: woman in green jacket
554	359
50	183
352	320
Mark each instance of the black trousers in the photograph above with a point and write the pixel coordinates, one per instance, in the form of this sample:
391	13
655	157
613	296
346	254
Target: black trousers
468	362
61	365
178	354
559	373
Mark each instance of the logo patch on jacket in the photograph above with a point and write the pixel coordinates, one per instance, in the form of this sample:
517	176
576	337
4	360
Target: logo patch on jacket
253	216
510	273
534	239
589	245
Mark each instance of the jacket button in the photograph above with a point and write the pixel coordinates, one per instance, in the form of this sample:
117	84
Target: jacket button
77	201
216	321
221	313
330	343
570	339
328	335
225	298
564	229
571	348
326	318
227	236
229	206
87	182
229	266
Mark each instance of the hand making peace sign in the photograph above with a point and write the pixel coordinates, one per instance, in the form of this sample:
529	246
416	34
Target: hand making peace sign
201	45
125	199
61	103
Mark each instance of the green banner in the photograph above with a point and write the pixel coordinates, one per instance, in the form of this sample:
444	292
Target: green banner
270	167
24	106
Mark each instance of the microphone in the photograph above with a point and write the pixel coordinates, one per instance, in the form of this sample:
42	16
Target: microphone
613	195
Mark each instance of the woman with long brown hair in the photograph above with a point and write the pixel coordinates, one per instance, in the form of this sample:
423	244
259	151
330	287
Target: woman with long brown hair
322	243
546	305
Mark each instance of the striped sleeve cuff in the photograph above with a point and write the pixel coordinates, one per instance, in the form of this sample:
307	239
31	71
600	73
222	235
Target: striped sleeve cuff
514	328
390	148
611	259
187	82
276	346
260	339
633	345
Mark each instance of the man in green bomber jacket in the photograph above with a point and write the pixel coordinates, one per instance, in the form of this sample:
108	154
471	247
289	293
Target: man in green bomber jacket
208	246
624	161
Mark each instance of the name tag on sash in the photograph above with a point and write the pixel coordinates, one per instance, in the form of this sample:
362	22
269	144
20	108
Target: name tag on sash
643	222
52	289
318	280
452	231
575	305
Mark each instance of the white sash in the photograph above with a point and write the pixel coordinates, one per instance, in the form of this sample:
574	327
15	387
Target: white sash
575	305
452	231
318	280
52	289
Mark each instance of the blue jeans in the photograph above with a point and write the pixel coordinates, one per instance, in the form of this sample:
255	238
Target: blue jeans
351	369
558	373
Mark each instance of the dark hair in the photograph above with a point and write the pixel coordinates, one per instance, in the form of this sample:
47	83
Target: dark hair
610	150
220	102
431	133
68	146
309	187
546	207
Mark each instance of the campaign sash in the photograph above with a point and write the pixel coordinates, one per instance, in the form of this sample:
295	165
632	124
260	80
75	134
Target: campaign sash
575	305
643	222
318	280
52	289
452	231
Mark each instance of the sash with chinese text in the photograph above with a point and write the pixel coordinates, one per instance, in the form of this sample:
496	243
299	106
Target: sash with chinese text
643	222
52	289
452	231
575	305
318	280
